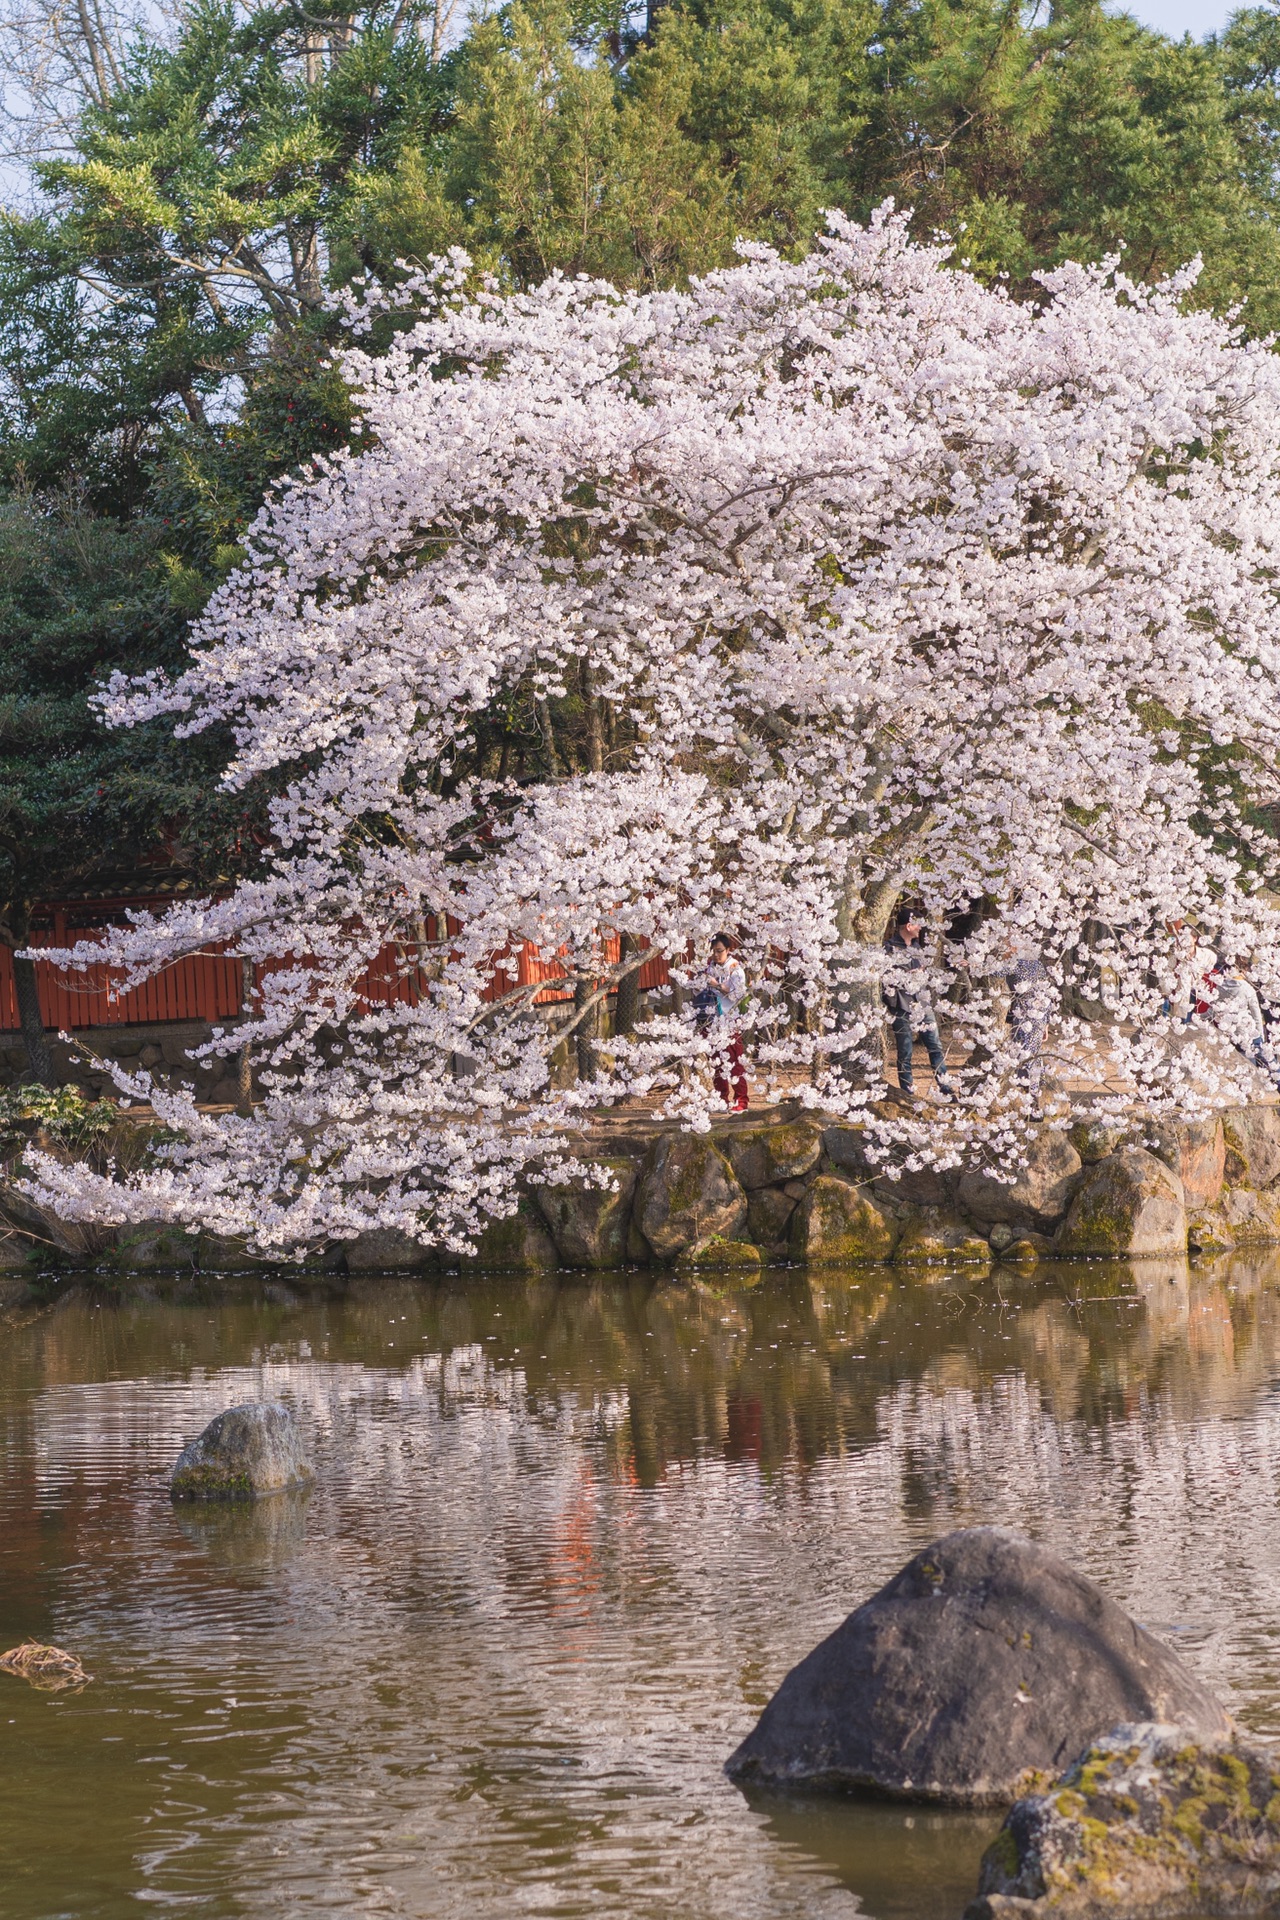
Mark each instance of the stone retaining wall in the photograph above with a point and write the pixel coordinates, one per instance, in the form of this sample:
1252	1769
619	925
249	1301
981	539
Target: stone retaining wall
163	1048
796	1188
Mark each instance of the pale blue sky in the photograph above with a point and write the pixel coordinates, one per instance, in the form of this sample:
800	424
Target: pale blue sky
1176	17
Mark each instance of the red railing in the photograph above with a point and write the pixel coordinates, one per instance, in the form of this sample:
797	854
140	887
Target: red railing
208	985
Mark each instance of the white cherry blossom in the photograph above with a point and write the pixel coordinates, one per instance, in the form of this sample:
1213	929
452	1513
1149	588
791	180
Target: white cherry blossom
893	587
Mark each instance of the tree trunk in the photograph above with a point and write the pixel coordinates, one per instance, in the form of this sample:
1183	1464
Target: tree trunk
862	919
584	1034
627	1007
595	720
31	1021
244	1103
543	710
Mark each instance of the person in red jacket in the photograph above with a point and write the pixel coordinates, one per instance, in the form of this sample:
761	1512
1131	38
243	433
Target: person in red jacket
718	1003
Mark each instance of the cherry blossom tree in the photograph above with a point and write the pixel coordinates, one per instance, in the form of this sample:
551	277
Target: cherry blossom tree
865	581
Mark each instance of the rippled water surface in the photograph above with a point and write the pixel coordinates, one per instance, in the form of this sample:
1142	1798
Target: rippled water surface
564	1541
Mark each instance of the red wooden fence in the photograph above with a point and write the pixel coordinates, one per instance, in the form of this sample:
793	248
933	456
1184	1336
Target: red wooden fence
207	985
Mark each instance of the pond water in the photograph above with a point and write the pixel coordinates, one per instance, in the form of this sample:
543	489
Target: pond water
565	1540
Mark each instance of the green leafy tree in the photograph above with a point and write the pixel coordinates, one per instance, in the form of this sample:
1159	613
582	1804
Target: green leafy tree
80	597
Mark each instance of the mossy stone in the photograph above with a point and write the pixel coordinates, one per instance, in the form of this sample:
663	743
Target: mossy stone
769	1212
838	1222
1039	1191
687	1194
721	1255
1251	1219
766	1156
155	1247
1129	1206
1253	1145
1147	1823
243	1454
589	1223
928	1240
518	1244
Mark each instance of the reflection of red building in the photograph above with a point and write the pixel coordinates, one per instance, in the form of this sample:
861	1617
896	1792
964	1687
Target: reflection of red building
744	1436
208	985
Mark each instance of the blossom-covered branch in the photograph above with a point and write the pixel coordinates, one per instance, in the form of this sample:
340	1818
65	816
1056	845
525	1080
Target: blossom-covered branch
869	581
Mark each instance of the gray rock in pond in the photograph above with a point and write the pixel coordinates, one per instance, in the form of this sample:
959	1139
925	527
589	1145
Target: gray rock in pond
687	1195
976	1675
589	1224
1041	1192
244	1453
1253	1145
1146	1824
1128	1207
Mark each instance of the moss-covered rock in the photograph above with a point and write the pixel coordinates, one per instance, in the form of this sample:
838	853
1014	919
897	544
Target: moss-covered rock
1253	1145
769	1211
931	1240
1197	1152
717	1255
518	1244
1097	1135
846	1148
1129	1206
639	1252
1148	1823
1040	1193
589	1223
687	1194
244	1453
916	1187
892	1183
386	1250
155	1247
223	1253
840	1222
1208	1233
1251	1219
766	1156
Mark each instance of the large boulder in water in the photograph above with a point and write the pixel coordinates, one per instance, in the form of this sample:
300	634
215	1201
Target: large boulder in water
688	1195
1038	1196
244	1453
589	1223
1253	1145
1144	1825
839	1224
975	1676
1129	1207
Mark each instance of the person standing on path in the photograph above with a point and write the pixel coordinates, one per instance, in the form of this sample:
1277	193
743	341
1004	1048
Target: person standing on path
907	1001
1030	1004
1236	1011
1190	974
721	1000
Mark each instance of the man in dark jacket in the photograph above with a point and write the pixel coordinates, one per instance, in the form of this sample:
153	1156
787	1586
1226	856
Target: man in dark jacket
908	1003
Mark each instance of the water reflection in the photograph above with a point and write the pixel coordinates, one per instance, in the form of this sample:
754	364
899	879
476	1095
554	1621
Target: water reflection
565	1540
905	1863
258	1536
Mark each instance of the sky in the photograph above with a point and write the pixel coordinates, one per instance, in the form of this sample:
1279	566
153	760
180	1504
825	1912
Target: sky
1176	17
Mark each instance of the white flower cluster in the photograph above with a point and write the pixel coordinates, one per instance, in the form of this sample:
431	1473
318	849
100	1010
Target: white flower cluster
891	587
